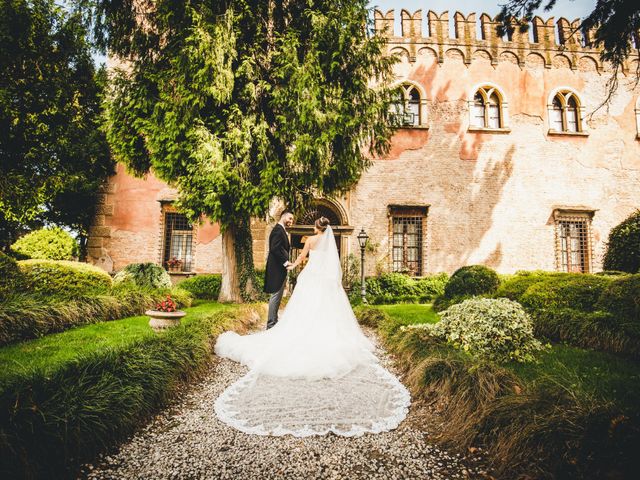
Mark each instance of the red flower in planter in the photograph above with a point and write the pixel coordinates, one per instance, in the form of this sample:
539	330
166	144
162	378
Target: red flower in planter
168	305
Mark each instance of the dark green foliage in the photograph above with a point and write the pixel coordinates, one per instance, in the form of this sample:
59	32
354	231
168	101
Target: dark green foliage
441	303
24	316
393	287
623	246
143	275
54	155
50	421
203	287
246	102
472	280
47	244
622	299
12	279
595	330
63	278
514	288
591	311
540	420
570	290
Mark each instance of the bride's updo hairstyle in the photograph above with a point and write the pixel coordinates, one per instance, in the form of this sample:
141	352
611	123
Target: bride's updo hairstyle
322	223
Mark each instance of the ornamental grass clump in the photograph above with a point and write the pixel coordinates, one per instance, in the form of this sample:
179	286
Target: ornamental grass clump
492	329
145	275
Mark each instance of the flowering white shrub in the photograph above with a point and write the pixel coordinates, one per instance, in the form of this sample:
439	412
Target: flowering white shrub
494	329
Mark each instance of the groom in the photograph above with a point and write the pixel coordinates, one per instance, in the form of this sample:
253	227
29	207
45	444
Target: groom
275	274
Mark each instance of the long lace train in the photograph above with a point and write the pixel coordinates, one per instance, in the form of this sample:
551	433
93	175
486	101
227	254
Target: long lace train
314	372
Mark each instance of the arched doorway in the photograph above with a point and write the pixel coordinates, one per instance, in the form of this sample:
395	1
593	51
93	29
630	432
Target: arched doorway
303	226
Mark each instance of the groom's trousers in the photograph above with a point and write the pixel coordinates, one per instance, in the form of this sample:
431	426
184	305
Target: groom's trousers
274	306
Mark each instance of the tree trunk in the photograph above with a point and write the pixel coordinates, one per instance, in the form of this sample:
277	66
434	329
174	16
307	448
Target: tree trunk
238	274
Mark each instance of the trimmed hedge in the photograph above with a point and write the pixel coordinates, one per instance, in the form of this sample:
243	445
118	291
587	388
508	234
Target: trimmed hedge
64	278
47	244
623	246
514	288
204	287
592	311
144	275
622	298
595	330
50	422
400	288
570	290
11	277
23	316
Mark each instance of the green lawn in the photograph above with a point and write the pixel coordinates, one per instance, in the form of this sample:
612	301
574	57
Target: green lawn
605	375
48	353
410	313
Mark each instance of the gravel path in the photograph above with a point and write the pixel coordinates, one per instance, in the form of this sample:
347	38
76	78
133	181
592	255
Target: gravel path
186	441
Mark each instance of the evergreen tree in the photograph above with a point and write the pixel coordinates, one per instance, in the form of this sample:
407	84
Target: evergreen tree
53	156
241	102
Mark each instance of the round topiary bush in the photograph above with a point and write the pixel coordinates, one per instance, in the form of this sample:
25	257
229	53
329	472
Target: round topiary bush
145	275
11	278
472	280
64	278
494	329
47	244
204	287
623	246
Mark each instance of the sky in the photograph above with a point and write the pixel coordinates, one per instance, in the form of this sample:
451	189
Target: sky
570	9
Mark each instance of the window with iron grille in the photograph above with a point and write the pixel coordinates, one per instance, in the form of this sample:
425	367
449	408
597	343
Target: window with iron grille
178	242
407	243
574	242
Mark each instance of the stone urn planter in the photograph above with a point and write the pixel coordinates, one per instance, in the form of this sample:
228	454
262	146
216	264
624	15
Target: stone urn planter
160	321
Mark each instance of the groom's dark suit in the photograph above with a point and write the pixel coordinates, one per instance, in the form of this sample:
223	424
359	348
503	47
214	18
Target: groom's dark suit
275	273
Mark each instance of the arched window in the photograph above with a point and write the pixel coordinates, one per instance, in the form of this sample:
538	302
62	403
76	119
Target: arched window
564	113
406	109
487	109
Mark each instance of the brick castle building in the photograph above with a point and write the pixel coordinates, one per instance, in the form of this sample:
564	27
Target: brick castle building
502	158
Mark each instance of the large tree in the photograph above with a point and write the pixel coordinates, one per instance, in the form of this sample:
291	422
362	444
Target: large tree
240	102
615	23
53	156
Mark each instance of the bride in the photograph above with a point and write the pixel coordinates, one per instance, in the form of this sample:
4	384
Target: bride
314	372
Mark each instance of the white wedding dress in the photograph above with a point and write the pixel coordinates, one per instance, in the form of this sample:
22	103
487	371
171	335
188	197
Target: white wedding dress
314	372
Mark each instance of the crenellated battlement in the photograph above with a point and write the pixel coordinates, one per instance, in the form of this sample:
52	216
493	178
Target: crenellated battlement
548	42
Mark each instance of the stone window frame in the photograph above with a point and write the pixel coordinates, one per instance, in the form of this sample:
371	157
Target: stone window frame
568	215
487	91
563	95
407	87
167	206
407	211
